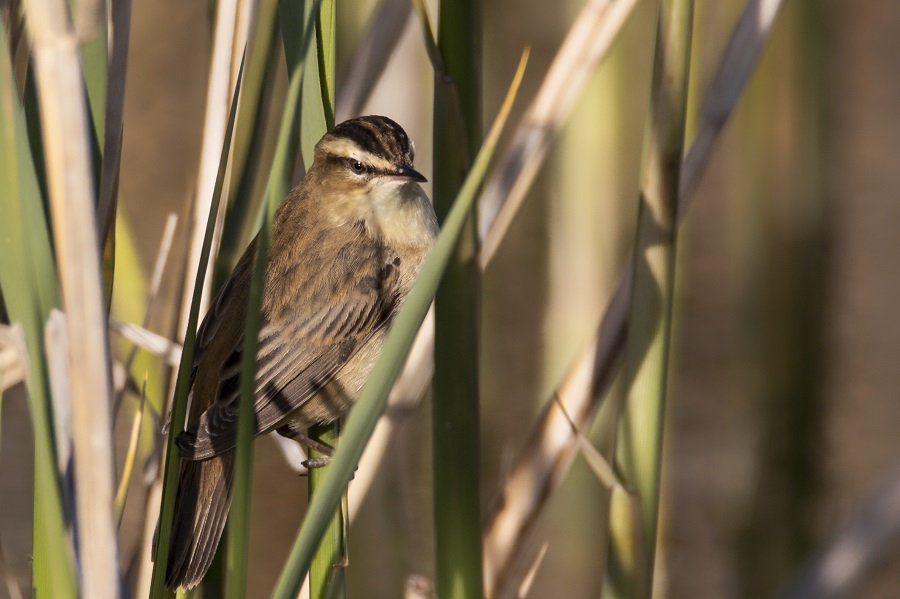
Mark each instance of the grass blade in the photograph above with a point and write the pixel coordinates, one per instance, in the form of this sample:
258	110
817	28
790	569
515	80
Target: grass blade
314	117
130	456
108	186
95	65
239	525
325	53
326	573
179	402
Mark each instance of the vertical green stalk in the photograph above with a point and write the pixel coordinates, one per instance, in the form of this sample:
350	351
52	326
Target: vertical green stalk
639	447
457	136
239	526
325	50
326	572
304	48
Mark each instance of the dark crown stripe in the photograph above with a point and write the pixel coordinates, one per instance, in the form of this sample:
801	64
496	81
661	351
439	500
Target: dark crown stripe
377	135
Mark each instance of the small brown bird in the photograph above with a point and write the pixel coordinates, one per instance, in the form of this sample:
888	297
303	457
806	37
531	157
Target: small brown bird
346	246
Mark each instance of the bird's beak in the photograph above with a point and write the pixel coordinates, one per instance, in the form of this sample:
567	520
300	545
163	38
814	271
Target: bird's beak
408	172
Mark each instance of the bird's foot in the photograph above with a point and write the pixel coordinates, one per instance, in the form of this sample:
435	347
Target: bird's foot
309	443
305	441
311	463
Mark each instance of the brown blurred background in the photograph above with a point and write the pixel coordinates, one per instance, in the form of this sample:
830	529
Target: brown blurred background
783	411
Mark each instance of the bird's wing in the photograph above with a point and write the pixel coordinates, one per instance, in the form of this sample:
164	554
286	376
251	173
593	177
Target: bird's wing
299	352
228	305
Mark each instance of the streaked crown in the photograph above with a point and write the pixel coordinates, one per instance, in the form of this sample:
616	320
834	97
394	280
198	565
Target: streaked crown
377	141
379	136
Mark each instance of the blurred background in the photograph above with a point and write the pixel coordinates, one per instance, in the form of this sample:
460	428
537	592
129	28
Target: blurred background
783	411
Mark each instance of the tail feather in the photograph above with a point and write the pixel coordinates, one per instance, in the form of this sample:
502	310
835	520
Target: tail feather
201	508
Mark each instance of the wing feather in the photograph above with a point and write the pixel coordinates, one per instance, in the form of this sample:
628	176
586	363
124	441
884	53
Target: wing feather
297	356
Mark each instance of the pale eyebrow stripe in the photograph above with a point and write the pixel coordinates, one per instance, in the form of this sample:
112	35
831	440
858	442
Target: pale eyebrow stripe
349	149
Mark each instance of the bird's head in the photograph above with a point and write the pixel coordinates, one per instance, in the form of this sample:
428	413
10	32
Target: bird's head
363	172
367	151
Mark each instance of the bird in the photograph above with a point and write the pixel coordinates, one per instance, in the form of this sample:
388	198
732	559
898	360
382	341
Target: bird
347	244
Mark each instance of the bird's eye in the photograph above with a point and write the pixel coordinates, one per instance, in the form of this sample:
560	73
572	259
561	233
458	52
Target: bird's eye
357	167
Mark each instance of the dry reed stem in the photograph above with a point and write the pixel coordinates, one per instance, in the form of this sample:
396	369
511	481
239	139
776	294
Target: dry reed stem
552	446
88	16
738	63
586	44
601	467
65	133
528	579
169	351
144	558
131	455
222	77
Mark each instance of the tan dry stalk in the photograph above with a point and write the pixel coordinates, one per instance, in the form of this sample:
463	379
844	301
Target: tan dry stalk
67	154
230	38
586	44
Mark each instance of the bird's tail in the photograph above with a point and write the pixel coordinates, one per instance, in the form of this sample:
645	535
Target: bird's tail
201	508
